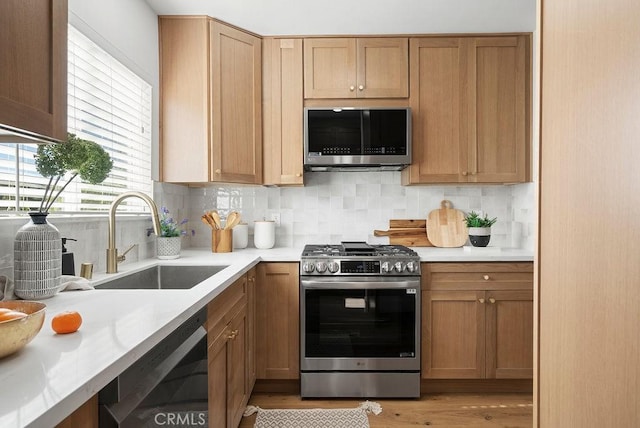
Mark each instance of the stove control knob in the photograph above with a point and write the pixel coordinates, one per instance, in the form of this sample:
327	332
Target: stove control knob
333	267
398	267
410	267
308	267
321	267
385	267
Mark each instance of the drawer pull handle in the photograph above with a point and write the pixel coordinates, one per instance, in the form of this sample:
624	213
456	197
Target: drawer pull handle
486	277
492	300
481	300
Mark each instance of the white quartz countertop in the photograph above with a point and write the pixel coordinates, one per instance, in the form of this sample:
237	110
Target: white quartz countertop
55	374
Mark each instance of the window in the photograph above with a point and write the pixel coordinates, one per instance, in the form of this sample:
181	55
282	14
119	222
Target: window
108	104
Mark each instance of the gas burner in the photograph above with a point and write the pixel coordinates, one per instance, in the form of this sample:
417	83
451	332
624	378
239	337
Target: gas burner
359	258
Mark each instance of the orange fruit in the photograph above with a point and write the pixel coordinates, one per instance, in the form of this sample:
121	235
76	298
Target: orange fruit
8	315
66	322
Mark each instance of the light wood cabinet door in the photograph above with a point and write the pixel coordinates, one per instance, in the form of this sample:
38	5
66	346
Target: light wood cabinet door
227	354
277	321
210	108
282	107
438	74
236	64
356	67
509	327
470	99
453	326
498	109
33	66
237	382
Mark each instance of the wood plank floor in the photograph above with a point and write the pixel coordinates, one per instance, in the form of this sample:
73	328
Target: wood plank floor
438	410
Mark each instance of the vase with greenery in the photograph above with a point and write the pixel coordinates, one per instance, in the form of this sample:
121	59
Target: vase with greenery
170	240
37	246
479	228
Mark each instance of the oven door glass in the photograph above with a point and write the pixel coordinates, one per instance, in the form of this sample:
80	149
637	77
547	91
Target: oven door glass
360	323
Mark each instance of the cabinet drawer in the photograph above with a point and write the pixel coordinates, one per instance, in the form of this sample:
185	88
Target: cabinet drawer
224	307
477	276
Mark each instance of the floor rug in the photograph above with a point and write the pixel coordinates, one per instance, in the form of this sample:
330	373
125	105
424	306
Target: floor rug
314	418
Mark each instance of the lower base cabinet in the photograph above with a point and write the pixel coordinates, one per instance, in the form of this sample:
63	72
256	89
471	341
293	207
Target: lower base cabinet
277	321
228	351
85	416
477	321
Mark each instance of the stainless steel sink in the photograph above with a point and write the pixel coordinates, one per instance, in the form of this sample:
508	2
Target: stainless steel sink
163	278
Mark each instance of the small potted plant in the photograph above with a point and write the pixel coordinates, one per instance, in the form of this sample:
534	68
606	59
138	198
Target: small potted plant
479	228
169	241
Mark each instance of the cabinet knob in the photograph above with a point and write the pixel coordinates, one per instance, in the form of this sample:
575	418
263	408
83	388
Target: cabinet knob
465	173
481	300
486	277
217	171
492	300
361	87
298	175
352	88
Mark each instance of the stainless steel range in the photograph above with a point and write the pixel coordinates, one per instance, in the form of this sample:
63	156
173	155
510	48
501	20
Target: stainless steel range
359	321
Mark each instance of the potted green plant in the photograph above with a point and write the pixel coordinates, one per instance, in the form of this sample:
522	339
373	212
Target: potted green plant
479	228
170	240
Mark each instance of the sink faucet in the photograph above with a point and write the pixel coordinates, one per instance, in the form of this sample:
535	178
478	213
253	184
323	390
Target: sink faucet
112	251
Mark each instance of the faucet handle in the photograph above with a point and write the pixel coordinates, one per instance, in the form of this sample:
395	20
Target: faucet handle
122	257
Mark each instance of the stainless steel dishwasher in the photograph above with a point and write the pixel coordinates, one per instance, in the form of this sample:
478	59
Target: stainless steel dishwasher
168	386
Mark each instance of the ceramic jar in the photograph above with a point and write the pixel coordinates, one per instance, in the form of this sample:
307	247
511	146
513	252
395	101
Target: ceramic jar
241	235
264	234
168	247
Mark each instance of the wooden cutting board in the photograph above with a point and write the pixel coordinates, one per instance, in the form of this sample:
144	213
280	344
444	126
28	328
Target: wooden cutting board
446	226
410	232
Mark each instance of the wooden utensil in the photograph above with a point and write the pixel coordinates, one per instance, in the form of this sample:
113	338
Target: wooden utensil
446	226
215	218
232	220
206	220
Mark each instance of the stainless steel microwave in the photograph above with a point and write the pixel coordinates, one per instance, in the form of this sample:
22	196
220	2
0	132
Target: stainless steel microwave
357	138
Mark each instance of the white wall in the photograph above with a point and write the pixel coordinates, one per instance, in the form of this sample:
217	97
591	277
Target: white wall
128	30
304	17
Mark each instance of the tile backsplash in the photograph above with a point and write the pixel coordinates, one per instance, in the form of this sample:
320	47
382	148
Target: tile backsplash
330	208
340	206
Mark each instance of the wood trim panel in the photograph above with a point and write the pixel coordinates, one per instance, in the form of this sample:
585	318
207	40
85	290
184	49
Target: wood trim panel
431	386
85	416
184	106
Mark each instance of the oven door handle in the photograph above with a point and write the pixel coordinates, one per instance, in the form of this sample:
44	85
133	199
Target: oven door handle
377	283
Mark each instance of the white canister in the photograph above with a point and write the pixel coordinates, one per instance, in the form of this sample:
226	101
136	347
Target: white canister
264	234
241	235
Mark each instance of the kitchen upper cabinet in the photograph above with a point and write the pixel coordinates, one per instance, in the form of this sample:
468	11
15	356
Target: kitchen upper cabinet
210	114
356	67
282	111
470	98
33	66
228	353
277	321
477	321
